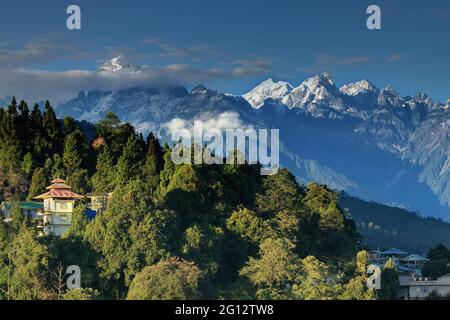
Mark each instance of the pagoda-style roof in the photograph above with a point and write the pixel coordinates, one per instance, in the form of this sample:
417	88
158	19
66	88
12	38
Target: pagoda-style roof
59	184
59	190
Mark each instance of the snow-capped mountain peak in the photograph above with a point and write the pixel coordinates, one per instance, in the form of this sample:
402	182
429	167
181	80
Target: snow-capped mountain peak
388	96
319	90
268	89
357	88
323	79
118	64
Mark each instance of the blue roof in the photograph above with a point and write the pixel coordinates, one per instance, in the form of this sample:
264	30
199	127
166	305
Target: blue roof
393	251
90	214
26	205
415	257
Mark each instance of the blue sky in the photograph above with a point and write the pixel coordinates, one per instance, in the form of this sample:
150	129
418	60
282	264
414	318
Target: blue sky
233	45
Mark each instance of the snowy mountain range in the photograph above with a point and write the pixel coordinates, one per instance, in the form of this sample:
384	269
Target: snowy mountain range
118	64
371	142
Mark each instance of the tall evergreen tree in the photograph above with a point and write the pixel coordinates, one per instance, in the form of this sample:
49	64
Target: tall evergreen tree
39	182
18	219
103	180
52	130
71	156
169	167
390	283
130	162
38	143
29	261
154	161
27	164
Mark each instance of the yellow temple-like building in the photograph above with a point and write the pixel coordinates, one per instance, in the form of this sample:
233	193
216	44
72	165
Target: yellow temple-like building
59	203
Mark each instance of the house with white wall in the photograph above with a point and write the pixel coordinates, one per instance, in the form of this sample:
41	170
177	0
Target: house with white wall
421	288
59	203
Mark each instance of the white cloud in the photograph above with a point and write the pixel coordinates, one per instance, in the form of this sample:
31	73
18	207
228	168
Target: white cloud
223	121
38	85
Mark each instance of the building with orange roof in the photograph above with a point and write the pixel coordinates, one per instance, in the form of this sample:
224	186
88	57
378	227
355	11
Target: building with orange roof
59	202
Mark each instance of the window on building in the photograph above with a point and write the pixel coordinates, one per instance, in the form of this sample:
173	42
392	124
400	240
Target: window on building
63	206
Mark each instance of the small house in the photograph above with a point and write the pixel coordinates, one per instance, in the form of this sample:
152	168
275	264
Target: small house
58	204
31	210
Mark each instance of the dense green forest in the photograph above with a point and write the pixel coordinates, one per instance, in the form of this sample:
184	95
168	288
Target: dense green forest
169	232
385	227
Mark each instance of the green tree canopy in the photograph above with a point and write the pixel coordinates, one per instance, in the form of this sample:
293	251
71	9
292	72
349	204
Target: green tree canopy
171	279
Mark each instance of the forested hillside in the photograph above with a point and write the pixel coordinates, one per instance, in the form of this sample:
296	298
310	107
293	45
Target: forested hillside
187	231
386	226
169	232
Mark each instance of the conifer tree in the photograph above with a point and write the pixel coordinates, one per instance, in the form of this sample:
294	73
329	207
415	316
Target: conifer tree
56	167
390	282
71	157
169	168
38	144
103	180
29	261
153	162
39	182
52	130
18	219
79	222
27	164
130	162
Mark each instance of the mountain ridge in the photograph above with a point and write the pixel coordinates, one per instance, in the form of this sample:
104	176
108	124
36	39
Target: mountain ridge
345	133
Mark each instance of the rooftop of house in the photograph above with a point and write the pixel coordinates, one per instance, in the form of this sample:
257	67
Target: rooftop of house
59	190
28	205
393	252
415	258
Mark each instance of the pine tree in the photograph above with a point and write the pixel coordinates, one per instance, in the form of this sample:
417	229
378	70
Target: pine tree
39	182
29	260
27	164
52	130
130	162
79	222
38	145
11	149
390	282
71	157
153	162
56	168
104	177
79	181
18	219
25	126
169	168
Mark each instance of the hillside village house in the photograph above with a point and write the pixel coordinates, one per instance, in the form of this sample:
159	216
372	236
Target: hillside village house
33	211
409	267
420	289
98	202
54	215
59	203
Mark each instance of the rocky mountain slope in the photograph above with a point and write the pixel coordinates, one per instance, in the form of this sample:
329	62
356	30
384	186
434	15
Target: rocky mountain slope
371	142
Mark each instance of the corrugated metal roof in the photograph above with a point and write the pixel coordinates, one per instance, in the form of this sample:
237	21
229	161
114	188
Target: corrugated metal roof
415	257
26	205
59	190
393	251
59	193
